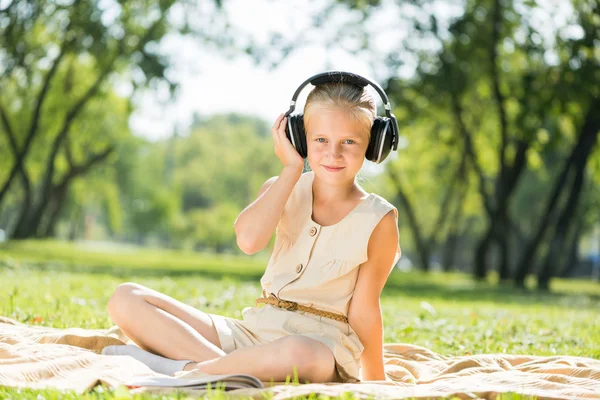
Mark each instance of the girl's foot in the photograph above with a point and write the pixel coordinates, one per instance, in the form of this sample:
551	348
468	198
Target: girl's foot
156	363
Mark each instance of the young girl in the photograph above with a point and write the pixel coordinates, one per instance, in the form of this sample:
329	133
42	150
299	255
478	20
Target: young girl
335	246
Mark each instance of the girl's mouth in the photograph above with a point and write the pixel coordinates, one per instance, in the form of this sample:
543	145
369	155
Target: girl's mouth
332	169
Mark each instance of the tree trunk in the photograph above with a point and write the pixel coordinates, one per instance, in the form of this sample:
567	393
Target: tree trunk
573	252
9	180
557	247
29	224
30	221
481	252
56	206
18	232
586	138
422	248
499	220
449	252
20	155
502	238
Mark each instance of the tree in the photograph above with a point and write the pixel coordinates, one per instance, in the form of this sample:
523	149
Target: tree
79	47
491	74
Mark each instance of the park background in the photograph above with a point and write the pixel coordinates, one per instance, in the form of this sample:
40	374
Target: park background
133	133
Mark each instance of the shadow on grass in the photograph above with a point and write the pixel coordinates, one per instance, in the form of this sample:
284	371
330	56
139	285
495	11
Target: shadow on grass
468	291
446	288
249	275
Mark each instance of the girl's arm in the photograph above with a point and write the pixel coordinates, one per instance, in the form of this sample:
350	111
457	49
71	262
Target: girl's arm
364	313
371	334
255	225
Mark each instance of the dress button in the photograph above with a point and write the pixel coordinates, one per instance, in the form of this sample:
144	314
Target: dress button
313	231
299	268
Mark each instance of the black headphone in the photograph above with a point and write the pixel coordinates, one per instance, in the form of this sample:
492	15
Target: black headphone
384	131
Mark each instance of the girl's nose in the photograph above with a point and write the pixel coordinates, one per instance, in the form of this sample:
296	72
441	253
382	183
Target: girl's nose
335	149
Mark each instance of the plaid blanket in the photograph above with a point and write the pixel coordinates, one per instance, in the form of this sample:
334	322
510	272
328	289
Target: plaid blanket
44	357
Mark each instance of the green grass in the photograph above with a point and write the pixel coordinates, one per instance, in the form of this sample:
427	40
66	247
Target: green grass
66	285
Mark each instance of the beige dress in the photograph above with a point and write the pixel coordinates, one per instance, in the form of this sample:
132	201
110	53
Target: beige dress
316	266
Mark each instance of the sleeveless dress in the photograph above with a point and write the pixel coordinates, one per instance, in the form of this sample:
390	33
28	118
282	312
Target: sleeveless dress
312	265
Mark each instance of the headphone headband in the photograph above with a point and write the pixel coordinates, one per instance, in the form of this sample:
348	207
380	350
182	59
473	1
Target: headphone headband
347	77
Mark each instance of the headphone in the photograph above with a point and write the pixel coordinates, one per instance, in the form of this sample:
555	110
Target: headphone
384	131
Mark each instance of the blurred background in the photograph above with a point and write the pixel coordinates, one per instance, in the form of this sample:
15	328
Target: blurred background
147	123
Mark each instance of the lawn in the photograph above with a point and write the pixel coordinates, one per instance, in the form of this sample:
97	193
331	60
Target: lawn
66	285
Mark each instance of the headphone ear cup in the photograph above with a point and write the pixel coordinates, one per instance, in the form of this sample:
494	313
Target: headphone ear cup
297	136
381	131
374	140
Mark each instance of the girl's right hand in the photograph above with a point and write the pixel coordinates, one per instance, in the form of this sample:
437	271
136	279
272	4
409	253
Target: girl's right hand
287	153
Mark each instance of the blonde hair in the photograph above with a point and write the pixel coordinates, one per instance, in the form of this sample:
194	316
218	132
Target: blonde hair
355	100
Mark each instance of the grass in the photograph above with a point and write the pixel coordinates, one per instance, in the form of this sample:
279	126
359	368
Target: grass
68	285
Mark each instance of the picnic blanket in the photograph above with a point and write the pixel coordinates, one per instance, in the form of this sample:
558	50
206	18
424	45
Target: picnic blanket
44	357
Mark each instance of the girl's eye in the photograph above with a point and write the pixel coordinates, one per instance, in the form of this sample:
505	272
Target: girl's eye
346	139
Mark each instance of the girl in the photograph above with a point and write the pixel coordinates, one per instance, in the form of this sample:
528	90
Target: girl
334	249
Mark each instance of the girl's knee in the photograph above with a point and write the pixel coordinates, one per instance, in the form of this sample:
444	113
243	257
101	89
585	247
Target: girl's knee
313	359
122	296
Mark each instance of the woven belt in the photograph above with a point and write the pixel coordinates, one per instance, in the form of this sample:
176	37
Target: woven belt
293	306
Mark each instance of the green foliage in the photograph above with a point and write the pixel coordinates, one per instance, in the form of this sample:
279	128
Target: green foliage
493	74
225	157
216	171
213	227
185	191
56	63
59	65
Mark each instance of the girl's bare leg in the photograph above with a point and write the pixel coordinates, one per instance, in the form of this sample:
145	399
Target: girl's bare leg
163	325
314	361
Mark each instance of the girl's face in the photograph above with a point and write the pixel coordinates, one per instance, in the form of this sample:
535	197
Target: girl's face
334	139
